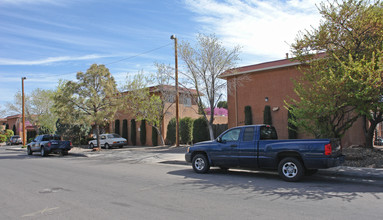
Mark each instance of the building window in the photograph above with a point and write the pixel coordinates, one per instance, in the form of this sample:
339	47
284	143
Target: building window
187	102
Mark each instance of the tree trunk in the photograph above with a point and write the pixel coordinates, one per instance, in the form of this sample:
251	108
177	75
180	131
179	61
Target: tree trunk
98	136
370	131
160	134
211	132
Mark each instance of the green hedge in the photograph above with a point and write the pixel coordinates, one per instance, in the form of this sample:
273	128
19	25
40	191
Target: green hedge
154	136
186	130
200	130
292	129
3	138
171	132
133	134
267	116
248	115
125	129
143	132
117	126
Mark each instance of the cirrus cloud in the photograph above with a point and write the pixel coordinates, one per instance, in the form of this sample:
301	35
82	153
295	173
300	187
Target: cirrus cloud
265	29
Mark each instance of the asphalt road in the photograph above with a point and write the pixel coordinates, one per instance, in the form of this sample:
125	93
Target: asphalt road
147	184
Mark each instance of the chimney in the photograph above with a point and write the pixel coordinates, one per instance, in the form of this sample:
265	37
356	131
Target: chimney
287	55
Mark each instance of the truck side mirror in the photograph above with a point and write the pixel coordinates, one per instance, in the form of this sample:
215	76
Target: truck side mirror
219	139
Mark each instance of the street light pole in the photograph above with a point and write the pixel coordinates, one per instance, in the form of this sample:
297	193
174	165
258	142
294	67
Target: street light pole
23	106
173	37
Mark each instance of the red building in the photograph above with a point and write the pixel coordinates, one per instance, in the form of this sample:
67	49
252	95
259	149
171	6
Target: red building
270	83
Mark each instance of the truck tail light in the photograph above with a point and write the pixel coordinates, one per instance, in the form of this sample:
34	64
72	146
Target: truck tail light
70	143
49	144
327	149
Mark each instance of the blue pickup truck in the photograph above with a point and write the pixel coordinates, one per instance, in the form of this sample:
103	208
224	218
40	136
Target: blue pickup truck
258	147
46	144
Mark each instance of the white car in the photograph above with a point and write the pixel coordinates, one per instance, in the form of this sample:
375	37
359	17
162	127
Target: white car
108	141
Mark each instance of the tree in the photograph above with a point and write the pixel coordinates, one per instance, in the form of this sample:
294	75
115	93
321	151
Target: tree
200	130
204	63
117	126
222	104
93	98
150	103
267	119
38	109
330	99
133	134
154	136
143	132
171	131
186	130
77	133
125	129
248	115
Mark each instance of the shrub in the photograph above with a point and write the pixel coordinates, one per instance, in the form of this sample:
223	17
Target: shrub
14	129
133	131
154	136
200	130
267	116
248	115
3	138
292	129
186	130
125	129
9	133
171	132
117	126
143	132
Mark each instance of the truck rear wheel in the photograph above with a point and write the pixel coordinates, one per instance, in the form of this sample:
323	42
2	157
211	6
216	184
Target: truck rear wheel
200	164
290	169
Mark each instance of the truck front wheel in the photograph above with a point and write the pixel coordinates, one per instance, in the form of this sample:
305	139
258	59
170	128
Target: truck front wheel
290	169
200	164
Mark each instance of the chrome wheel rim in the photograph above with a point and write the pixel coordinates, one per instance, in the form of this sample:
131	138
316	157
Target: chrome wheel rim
199	164
290	170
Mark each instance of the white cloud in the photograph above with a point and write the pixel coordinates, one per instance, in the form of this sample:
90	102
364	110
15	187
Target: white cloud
49	60
263	28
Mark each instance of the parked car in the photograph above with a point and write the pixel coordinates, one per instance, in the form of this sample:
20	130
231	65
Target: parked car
258	147
15	139
108	141
46	144
378	141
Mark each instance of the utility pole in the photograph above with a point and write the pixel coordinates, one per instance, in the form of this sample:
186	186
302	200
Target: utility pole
173	37
23	106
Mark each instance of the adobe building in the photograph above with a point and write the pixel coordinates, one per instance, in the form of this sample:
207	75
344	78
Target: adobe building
187	108
15	122
270	83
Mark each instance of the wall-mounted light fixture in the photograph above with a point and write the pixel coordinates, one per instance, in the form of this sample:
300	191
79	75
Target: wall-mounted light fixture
266	99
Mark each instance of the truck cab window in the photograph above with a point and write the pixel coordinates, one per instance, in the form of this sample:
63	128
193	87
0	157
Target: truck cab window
268	133
232	135
248	135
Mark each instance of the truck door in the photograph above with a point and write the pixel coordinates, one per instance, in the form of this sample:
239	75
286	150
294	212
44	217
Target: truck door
247	149
227	152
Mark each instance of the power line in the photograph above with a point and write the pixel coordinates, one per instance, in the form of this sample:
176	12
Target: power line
117	61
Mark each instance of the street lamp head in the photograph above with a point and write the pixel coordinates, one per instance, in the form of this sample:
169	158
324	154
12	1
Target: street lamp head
24	77
173	37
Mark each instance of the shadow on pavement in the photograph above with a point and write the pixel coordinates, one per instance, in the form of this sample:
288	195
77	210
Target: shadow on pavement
265	183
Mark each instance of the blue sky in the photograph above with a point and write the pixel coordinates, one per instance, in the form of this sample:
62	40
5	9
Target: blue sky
48	40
